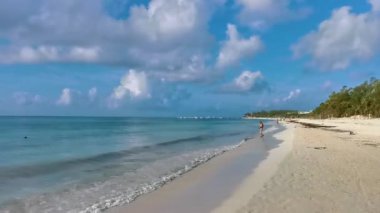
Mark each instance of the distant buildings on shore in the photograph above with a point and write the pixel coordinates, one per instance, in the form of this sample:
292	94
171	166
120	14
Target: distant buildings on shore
277	114
203	117
304	112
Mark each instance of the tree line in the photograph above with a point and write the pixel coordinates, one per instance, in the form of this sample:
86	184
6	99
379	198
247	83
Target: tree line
274	114
361	100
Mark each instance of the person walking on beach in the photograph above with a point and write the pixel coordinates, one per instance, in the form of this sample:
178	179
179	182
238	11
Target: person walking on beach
261	127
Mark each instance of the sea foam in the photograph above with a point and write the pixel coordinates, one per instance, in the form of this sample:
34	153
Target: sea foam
128	197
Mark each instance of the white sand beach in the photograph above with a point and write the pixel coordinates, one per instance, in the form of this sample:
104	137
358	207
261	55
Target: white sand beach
310	170
326	171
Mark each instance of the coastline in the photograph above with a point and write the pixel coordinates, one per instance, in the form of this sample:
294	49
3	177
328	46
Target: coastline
265	170
204	188
329	167
259	118
326	171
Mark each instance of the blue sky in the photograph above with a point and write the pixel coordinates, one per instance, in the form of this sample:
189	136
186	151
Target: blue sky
182	57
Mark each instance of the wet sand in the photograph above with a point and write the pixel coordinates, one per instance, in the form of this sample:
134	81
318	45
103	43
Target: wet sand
297	168
254	182
209	185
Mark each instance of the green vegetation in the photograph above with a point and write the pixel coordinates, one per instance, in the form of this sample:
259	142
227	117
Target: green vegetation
275	114
362	100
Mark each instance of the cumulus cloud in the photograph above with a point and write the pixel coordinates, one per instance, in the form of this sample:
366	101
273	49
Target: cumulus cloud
342	39
165	19
92	93
25	98
86	54
66	97
246	82
375	4
192	70
70	96
162	36
136	89
261	14
237	48
133	85
292	95
28	54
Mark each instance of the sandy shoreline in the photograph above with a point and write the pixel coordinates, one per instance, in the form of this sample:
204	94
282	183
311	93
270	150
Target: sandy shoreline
207	186
265	170
304	170
326	171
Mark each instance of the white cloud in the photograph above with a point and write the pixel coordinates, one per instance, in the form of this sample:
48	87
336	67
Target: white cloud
260	14
162	36
133	85
166	19
25	98
247	81
375	5
84	54
344	38
191	70
236	48
66	97
44	53
292	95
29	54
92	93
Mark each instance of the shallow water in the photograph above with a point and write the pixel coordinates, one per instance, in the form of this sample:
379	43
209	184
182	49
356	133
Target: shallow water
76	163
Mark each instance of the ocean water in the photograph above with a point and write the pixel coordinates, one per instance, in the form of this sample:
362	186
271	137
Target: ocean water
83	164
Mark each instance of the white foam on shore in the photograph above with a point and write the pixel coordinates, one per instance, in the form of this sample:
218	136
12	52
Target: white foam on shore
128	197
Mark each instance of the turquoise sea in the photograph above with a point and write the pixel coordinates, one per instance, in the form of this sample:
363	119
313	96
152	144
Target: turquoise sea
88	164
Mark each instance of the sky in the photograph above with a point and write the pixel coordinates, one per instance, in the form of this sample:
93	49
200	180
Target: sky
182	57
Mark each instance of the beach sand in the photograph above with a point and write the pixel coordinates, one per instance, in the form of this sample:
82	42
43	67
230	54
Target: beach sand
361	127
326	171
293	169
260	175
207	186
